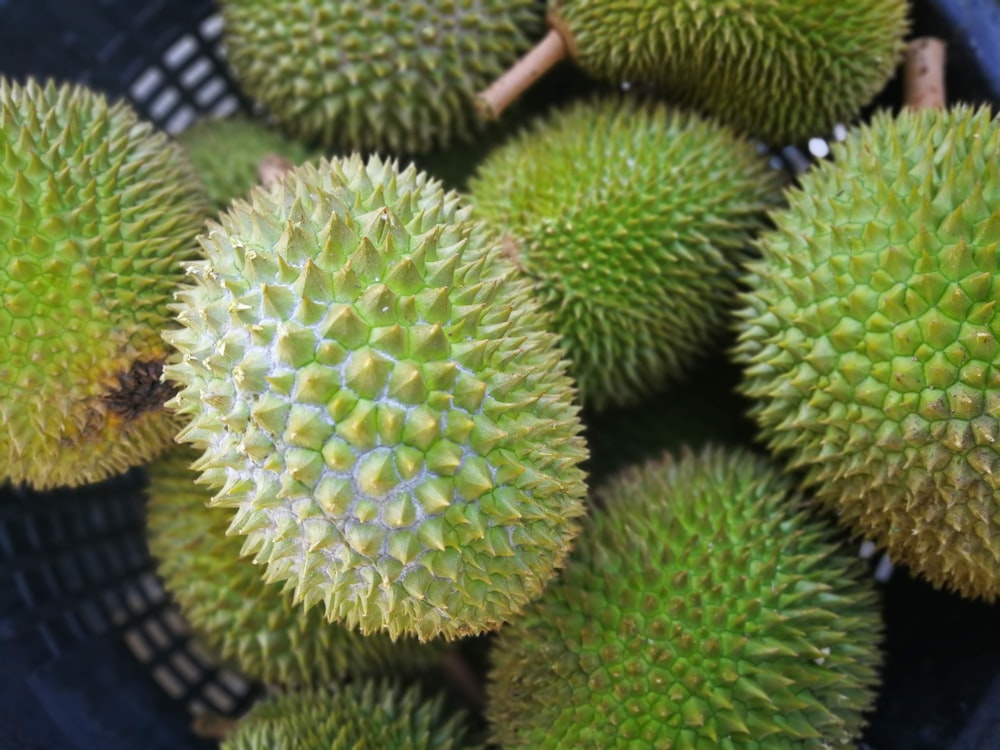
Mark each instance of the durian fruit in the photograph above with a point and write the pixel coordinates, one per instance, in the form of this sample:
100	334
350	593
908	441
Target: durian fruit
97	212
869	337
227	153
781	71
631	220
380	401
701	608
372	74
380	715
244	619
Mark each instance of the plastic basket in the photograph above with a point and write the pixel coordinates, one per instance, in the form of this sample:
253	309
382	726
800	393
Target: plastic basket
94	656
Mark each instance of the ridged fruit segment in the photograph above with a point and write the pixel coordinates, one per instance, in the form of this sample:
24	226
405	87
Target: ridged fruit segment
781	70
701	608
870	335
97	213
356	716
247	621
631	220
380	400
375	74
227	153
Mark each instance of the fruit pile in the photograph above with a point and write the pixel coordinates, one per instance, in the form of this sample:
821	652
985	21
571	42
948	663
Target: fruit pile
412	415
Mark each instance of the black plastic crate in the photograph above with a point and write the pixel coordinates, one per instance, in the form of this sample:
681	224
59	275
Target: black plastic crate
94	656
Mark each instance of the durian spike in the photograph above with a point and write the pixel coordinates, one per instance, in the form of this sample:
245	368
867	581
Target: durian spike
544	56
923	77
272	168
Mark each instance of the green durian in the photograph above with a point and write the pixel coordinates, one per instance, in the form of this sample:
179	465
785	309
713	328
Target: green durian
376	715
373	74
781	71
244	619
869	337
631	220
226	153
378	398
97	213
701	608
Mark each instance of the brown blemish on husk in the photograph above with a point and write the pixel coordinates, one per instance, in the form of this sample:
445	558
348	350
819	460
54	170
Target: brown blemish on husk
140	390
511	250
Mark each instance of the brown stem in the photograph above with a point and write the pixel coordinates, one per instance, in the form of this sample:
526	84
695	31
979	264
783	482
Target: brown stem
458	671
508	87
271	168
923	80
212	726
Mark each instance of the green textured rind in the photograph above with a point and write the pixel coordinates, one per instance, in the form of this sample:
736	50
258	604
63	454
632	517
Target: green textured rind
375	74
781	70
97	212
380	401
631	219
701	609
375	715
870	334
246	620
226	154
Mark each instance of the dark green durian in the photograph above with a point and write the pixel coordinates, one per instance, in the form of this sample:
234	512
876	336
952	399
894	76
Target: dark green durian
701	608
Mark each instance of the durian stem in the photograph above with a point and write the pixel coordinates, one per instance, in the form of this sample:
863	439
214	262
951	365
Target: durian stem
508	87
923	80
211	726
271	168
460	674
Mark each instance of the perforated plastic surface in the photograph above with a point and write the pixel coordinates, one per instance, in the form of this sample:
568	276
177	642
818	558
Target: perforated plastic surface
161	54
93	655
92	652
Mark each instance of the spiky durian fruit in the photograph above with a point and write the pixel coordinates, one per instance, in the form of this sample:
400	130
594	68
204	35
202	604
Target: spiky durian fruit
701	608
380	400
631	220
227	154
870	335
782	70
242	617
360	715
97	212
371	74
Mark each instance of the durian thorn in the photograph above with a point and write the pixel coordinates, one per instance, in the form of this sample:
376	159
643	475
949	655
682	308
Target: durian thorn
923	76
271	168
544	56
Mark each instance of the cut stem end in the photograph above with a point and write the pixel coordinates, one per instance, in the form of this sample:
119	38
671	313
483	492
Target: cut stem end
271	169
923	81
545	55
